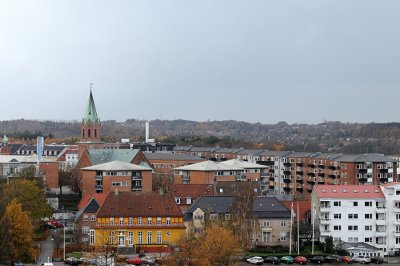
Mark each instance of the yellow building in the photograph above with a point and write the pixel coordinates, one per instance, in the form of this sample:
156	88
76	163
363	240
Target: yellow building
128	219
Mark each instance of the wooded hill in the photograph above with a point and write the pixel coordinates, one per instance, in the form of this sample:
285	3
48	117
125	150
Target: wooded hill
326	137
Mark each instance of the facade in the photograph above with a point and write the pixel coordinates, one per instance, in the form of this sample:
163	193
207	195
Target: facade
85	218
185	195
138	219
359	213
116	175
270	226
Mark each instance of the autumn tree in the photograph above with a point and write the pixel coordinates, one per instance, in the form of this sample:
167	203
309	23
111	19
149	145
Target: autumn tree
16	234
31	197
104	248
243	221
187	245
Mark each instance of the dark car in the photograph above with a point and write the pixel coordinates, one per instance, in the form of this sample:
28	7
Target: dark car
377	260
317	259
71	261
272	260
333	258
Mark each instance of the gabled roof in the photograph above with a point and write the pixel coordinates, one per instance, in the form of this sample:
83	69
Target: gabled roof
242	164
90	112
231	188
349	191
172	156
275	153
212	204
208	166
139	204
269	207
116	166
99	156
362	158
193	191
99	197
249	152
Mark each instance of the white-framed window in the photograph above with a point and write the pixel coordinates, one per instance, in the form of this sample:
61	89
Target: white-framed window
93	218
130	221
266	224
337	227
112	237
352	227
177	200
140	238
368	228
121	221
282	236
337	216
85	218
91	237
368	216
368	240
188	201
158	220
140	221
130	239
353	239
168	220
111	220
368	204
337	203
149	237
213	216
149	220
283	223
353	215
85	229
159	237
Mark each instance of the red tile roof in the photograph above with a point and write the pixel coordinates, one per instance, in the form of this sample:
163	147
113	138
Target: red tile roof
99	197
193	191
304	207
390	184
139	204
349	191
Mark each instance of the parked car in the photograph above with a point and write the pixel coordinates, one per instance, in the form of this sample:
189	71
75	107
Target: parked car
256	260
150	260
272	260
377	260
347	259
362	259
300	260
333	258
287	259
317	259
134	261
71	261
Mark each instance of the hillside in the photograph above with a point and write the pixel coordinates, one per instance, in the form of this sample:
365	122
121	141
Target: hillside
329	136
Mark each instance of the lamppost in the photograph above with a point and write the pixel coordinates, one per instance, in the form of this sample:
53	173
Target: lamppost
65	224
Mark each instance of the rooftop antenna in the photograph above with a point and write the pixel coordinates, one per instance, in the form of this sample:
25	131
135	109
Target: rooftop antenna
91	85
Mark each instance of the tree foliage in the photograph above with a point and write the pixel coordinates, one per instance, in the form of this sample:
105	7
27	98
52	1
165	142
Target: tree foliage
16	234
31	197
215	246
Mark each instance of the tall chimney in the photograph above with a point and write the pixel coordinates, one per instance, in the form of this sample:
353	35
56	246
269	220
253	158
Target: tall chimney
147	132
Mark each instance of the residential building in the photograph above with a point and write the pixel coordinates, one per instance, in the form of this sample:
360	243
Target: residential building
116	175
145	220
185	195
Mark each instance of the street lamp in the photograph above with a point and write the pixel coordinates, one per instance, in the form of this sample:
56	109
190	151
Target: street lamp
65	224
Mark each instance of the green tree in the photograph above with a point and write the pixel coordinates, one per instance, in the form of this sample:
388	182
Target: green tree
31	197
16	234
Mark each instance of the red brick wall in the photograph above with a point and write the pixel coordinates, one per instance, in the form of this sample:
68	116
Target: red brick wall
52	173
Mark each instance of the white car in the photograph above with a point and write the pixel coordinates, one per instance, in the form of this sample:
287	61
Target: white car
362	259
256	260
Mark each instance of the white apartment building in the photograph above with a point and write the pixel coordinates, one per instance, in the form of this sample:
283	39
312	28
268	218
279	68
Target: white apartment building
359	213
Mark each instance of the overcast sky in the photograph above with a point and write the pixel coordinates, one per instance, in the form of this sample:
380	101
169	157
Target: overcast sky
257	61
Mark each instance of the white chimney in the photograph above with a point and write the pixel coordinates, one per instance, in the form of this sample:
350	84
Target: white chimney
147	132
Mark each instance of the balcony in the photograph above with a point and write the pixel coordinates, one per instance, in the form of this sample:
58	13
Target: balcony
137	188
287	189
321	182
383	171
271	171
383	180
321	174
299	164
287	164
325	208
321	166
380	209
185	178
268	163
310	165
98	187
286	172
362	180
326	233
311	182
380	222
332	167
240	178
362	171
311	174
332	176
136	177
299	172
299	180
287	180
309	190
396	233
98	177
299	189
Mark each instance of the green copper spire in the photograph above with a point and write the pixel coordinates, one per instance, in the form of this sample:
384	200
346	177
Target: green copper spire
90	113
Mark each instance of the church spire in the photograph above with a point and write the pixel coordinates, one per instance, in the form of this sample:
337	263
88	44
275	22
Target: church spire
90	112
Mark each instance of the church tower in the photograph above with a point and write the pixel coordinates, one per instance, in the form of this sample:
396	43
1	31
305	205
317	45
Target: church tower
90	128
